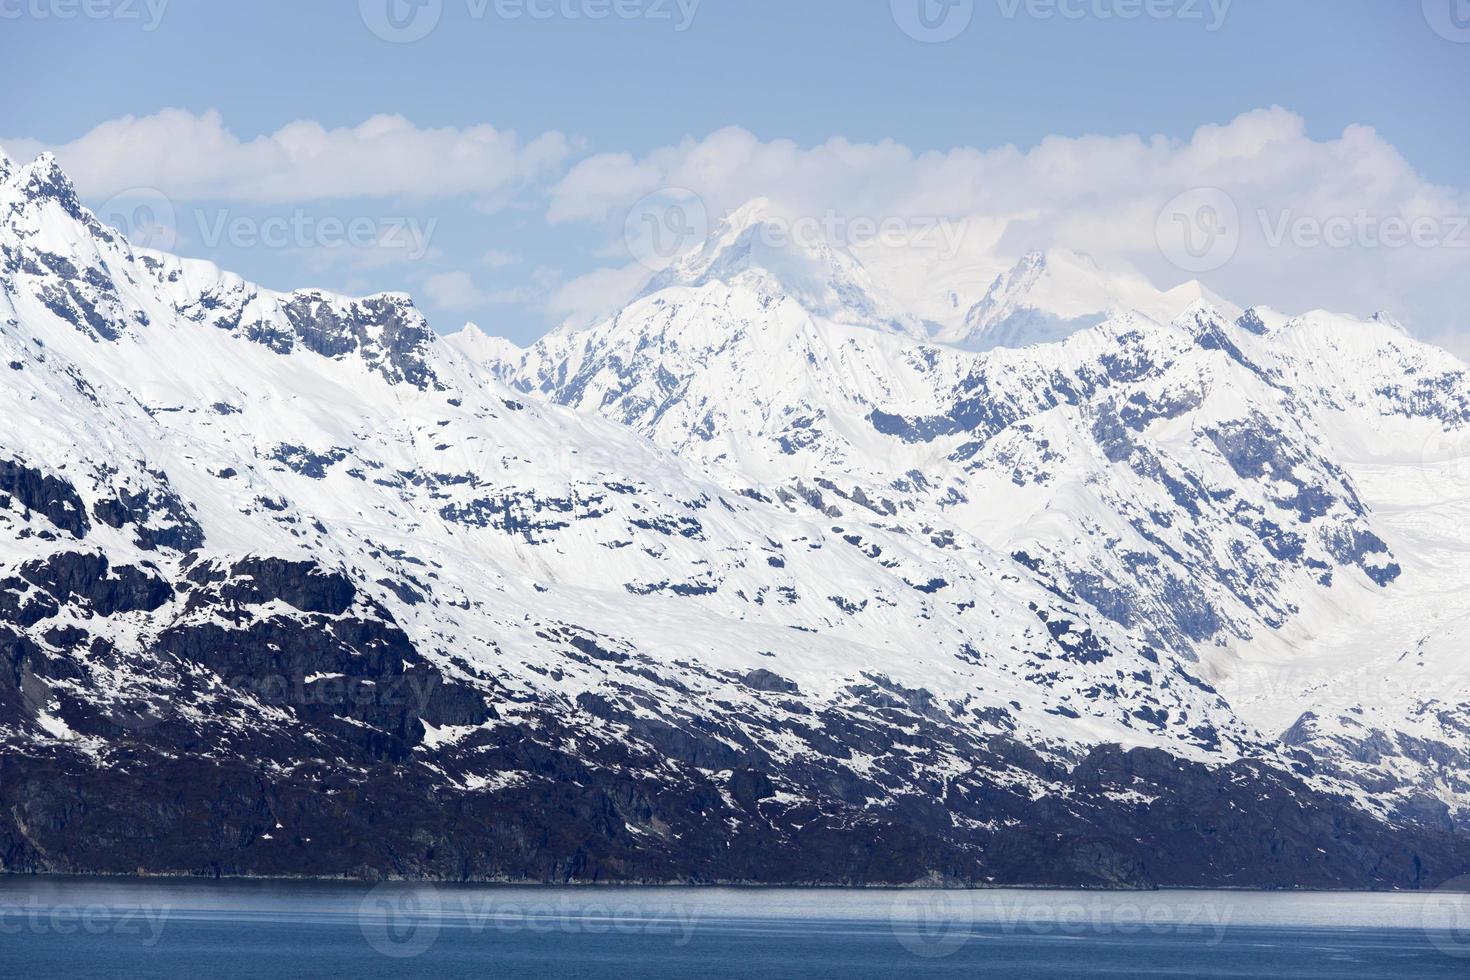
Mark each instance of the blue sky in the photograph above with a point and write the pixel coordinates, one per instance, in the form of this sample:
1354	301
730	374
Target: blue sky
574	88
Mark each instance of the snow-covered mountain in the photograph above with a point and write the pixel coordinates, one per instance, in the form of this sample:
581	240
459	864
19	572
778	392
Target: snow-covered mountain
1048	296
1221	483
778	591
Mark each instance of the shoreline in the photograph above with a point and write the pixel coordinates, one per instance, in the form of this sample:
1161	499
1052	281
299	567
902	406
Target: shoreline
527	885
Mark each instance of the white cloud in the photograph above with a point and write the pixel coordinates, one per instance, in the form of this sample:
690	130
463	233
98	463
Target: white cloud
380	255
455	291
458	291
496	259
1102	195
584	300
1097	194
188	156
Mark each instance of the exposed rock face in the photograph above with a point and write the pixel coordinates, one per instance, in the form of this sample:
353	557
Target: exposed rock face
51	497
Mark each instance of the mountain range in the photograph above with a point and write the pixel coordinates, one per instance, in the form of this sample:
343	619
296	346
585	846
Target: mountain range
763	579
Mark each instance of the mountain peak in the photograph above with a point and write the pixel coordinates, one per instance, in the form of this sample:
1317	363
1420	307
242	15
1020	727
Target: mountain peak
1186	296
1045	297
6	168
1206	323
1203	309
1261	320
1036	263
1048	296
1387	319
471	331
104	287
388	300
761	246
756	235
756	211
43	179
45	168
483	348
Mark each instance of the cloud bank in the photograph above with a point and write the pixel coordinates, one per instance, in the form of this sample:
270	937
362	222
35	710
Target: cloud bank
195	157
1344	223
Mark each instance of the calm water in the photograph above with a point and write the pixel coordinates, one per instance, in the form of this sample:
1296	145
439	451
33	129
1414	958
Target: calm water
112	929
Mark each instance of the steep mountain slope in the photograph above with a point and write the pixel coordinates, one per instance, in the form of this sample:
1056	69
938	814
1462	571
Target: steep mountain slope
1223	488
288	584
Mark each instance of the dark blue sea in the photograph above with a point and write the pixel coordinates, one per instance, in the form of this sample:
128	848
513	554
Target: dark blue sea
108	929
